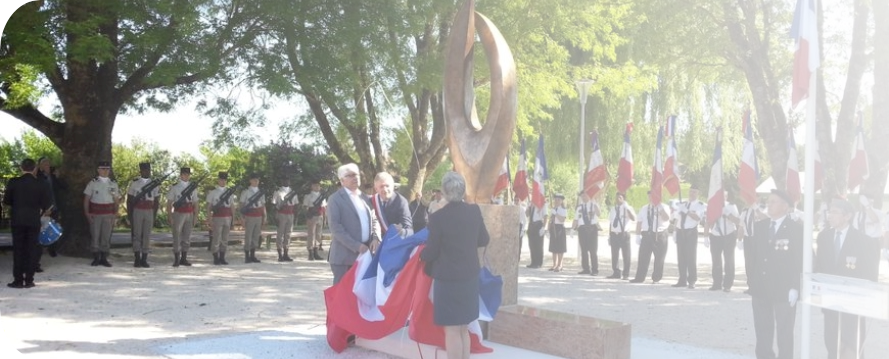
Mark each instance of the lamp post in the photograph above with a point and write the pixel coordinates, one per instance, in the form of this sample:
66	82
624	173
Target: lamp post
583	87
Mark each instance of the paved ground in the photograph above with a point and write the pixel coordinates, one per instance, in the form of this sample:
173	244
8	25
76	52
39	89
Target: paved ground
276	310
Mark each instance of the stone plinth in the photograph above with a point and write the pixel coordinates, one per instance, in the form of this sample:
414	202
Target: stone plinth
502	223
561	334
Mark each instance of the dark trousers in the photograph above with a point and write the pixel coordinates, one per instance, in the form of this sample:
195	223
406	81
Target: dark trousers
656	244
620	245
588	236
521	234
771	317
723	247
535	243
748	256
687	255
24	251
834	328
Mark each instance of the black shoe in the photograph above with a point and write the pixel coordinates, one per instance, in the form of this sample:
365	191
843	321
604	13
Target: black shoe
137	260
103	261
52	252
222	259
215	259
38	269
715	288
584	272
95	260
678	285
594	273
637	280
29	284
626	277
280	255
691	286
317	256
287	255
253	257
144	260
533	266
184	261
176	258
15	284
247	257
655	282
613	276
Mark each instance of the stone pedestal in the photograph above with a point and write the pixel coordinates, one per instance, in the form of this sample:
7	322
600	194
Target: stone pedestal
503	250
561	334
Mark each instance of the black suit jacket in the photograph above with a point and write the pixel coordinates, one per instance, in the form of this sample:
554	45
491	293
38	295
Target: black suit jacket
455	233
27	197
396	211
857	247
776	260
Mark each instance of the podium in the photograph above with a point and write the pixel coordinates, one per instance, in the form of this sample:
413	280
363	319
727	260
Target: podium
858	297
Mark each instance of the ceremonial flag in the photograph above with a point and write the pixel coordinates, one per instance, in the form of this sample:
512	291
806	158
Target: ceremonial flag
594	179
792	186
503	179
520	185
716	198
858	166
657	172
671	164
806	58
538	193
748	175
625	166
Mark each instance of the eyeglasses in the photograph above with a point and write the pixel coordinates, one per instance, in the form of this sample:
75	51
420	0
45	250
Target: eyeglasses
104	168
351	175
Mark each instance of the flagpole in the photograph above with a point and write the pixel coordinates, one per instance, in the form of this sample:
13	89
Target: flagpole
809	209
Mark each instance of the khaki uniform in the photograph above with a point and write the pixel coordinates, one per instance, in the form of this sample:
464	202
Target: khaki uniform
252	218
314	220
284	216
142	214
103	195
182	218
221	221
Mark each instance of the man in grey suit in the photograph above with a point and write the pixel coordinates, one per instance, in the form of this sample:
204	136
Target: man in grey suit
353	225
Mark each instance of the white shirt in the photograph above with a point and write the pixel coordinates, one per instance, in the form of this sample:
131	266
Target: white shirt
592	213
280	194
136	186
213	197
559	214
661	222
624	221
176	191
249	192
523	214
538	214
684	209
363	214
309	200
102	190
723	226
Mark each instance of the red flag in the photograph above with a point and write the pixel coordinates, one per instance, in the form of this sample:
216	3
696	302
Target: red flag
594	179
520	184
748	175
657	171
858	166
503	179
625	166
538	193
806	58
792	185
716	198
671	164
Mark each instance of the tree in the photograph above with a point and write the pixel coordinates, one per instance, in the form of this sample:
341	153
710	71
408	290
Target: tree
99	58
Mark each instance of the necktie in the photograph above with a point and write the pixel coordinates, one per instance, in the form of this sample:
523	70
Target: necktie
651	224
837	244
773	228
616	223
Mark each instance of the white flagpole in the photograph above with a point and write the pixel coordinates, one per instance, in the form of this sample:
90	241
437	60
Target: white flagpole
809	209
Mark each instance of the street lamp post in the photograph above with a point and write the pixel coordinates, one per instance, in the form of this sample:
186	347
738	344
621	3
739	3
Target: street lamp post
583	87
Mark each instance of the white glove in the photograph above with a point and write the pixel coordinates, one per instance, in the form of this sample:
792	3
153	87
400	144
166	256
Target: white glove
886	253
639	240
706	242
542	231
792	297
44	221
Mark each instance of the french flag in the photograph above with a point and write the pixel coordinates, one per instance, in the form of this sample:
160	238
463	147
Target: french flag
716	198
594	179
538	193
748	175
806	58
671	164
792	186
858	166
625	166
520	184
503	179
657	172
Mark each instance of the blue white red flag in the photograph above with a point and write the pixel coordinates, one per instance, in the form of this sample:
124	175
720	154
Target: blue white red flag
806	58
594	179
503	178
748	174
671	164
792	183
657	171
538	192
625	166
716	197
520	184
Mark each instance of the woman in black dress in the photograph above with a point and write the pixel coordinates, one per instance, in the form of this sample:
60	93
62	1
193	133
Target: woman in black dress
557	237
451	255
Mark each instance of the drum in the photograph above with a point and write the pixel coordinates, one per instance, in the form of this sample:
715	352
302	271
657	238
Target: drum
50	234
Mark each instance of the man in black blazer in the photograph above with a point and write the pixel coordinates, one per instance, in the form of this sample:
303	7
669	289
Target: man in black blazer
845	251
28	198
391	207
774	280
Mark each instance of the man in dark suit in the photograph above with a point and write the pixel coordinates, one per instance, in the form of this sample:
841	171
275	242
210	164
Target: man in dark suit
47	172
774	279
353	225
391	207
845	251
418	212
28	198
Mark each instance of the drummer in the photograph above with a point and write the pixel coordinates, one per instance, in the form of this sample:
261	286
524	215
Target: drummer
27	198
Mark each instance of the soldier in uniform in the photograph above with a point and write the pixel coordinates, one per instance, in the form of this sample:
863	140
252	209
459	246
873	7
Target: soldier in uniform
285	200
252	204
100	200
182	218
140	207
314	221
220	201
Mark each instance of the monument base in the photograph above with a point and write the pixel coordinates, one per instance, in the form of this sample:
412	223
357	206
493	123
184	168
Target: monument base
399	344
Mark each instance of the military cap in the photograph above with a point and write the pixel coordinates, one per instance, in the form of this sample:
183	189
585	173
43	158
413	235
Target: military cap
254	175
104	164
223	175
185	171
144	166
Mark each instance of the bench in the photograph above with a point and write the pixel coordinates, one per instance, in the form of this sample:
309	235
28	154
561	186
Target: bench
561	334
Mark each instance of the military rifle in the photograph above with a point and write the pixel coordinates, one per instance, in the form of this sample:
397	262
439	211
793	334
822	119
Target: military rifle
250	202
223	198
186	193
315	210
150	186
287	198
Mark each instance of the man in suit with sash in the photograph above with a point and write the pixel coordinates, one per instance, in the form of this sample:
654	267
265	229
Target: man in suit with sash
774	279
845	251
391	207
353	225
